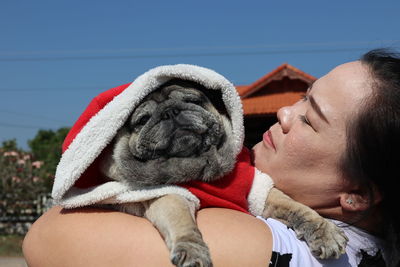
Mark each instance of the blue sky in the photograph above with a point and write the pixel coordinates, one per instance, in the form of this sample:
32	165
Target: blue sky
55	56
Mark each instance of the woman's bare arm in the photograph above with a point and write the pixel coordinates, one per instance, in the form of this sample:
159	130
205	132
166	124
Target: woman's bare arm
92	237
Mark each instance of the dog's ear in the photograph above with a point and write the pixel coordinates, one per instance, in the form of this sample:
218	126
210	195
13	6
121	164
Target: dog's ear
215	96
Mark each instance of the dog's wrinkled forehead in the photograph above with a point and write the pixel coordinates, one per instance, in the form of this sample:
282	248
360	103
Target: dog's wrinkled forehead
180	89
174	91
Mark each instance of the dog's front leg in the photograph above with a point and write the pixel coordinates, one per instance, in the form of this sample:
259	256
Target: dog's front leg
172	216
324	238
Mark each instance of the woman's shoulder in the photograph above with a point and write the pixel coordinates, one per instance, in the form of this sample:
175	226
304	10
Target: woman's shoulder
86	237
93	237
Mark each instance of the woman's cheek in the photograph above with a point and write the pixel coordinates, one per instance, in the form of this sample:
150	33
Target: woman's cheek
295	146
302	151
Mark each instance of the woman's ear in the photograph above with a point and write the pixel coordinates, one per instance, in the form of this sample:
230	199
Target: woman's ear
359	200
354	202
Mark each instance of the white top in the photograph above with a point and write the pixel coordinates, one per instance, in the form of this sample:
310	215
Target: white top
288	250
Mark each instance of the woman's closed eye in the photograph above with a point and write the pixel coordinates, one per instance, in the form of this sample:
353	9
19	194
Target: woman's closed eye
306	121
303	118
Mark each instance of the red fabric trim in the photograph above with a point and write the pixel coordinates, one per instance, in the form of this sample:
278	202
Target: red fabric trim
92	175
91	110
230	191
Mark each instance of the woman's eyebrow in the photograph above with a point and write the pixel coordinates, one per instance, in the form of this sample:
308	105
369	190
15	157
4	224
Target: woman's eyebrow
315	105
317	108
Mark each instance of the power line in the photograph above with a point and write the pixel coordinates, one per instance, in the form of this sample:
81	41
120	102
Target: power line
168	49
24	126
105	57
30	115
56	89
78	88
212	54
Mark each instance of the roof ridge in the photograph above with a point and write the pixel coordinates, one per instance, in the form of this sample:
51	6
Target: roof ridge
255	86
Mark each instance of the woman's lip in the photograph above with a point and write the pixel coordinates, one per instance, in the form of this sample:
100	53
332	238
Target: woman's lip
267	138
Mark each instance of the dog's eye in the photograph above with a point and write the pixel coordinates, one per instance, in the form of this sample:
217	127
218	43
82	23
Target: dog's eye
194	101
136	125
142	120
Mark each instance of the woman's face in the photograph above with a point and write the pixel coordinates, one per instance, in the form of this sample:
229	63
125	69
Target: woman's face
302	151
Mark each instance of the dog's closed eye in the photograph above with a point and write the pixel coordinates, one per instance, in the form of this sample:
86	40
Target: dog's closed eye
195	101
139	122
142	120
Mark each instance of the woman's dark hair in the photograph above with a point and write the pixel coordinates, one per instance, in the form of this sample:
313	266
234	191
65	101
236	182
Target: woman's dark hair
373	144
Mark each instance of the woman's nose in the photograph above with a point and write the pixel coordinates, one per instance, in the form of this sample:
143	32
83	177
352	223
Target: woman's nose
285	117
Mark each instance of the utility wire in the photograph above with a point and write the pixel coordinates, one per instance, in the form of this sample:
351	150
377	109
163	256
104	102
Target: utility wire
108	57
31	116
24	126
168	49
212	54
63	89
57	89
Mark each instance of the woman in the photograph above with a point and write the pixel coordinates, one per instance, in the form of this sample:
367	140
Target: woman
334	151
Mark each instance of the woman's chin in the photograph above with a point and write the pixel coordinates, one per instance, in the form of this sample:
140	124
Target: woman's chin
259	157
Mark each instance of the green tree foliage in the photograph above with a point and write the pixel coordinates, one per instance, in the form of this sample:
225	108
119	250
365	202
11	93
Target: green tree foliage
46	146
21	185
25	176
10	145
21	181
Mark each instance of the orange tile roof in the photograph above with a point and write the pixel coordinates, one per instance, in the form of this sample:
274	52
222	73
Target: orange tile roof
270	103
277	74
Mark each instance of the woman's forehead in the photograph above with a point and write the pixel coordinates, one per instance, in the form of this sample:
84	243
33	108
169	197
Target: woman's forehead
349	83
340	92
351	78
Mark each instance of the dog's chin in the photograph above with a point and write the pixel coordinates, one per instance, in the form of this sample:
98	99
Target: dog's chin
187	145
177	150
188	163
182	167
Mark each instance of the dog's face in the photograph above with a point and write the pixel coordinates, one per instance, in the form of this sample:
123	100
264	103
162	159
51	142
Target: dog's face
176	134
175	121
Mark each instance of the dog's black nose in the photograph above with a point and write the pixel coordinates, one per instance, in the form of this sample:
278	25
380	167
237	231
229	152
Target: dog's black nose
169	113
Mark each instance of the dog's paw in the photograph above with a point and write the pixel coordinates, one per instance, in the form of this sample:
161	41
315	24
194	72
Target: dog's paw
325	239
191	254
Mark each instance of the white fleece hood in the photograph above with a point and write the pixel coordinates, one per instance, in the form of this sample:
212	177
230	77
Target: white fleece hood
100	122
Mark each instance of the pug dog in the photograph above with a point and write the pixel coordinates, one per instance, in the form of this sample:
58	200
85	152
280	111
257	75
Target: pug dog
180	133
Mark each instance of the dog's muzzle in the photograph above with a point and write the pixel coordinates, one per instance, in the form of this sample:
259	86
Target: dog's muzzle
174	131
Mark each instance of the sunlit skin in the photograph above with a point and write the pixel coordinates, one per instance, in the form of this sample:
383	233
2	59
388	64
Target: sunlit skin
302	151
